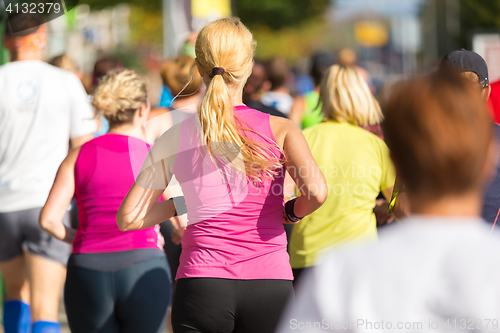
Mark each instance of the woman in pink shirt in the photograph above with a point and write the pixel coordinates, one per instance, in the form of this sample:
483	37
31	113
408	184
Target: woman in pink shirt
230	161
117	281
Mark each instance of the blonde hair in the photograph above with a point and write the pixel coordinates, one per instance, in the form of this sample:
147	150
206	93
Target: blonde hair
180	76
119	95
63	61
346	97
347	57
228	44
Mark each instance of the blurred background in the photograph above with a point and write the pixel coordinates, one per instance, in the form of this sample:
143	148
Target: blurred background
388	38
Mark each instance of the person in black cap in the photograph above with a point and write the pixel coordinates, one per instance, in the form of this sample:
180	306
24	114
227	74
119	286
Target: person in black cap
473	67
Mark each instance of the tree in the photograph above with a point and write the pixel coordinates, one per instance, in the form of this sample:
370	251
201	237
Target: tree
277	14
478	15
150	6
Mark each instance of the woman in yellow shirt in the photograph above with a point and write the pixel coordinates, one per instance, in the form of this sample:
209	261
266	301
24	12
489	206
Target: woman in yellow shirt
356	165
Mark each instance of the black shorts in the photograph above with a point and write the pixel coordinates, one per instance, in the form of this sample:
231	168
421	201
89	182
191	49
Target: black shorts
227	305
20	231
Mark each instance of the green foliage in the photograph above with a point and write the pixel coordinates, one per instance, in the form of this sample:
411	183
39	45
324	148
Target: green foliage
149	5
478	15
277	14
292	43
146	26
274	14
130	58
287	28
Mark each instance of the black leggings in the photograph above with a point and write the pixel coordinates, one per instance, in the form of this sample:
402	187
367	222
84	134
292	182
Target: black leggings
130	300
299	273
226	305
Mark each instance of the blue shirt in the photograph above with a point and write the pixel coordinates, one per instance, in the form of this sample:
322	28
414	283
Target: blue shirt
491	206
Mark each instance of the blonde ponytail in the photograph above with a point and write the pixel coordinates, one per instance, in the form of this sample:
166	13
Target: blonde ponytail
224	52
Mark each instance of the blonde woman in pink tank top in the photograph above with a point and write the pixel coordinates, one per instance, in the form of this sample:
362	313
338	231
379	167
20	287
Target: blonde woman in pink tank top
230	161
117	282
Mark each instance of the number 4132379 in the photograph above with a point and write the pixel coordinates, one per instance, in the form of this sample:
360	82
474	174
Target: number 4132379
34	8
472	324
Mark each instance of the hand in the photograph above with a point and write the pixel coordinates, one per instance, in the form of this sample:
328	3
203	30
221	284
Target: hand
70	235
381	211
176	237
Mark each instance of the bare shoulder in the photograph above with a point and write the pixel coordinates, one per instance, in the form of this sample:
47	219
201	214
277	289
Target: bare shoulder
70	160
281	127
165	148
73	155
169	138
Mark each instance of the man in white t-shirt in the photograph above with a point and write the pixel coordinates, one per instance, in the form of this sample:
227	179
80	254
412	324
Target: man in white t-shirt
43	109
438	270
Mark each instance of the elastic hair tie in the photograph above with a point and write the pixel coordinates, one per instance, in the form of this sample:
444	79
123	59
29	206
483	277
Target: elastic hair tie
218	71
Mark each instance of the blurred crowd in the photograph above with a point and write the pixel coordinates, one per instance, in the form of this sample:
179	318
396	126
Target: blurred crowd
407	173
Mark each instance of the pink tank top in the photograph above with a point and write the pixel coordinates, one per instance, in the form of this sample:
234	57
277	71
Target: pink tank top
243	236
103	177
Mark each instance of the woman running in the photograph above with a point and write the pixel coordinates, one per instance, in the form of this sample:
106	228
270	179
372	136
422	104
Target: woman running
116	281
234	273
356	165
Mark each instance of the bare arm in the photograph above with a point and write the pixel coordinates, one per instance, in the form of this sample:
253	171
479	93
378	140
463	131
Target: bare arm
288	187
388	193
51	216
301	166
381	209
140	209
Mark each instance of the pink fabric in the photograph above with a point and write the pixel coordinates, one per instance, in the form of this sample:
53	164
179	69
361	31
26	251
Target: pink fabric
103	177
242	236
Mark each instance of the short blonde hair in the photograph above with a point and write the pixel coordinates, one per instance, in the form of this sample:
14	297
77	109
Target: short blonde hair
346	97
119	95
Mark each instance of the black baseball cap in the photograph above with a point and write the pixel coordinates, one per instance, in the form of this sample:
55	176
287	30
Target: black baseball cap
467	61
22	24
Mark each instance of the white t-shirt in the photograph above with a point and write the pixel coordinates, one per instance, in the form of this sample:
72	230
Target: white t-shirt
42	107
424	275
280	101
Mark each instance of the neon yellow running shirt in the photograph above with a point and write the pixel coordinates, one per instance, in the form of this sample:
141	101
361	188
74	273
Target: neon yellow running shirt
357	167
